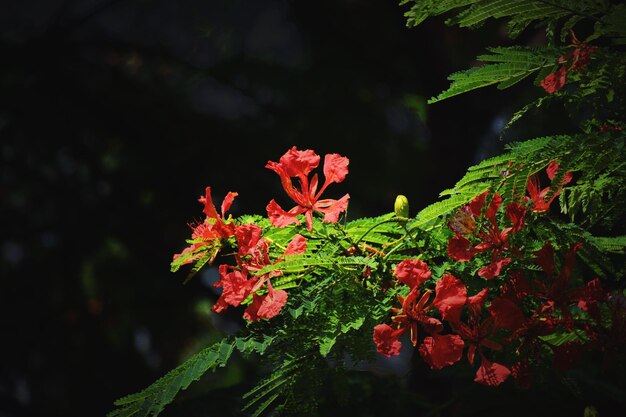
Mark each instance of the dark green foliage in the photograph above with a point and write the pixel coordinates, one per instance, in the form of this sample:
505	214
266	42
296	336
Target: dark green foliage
342	286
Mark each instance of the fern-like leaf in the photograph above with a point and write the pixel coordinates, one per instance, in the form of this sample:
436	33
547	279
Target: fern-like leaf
507	66
152	400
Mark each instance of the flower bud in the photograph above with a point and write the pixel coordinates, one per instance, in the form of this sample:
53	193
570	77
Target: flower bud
401	206
591	411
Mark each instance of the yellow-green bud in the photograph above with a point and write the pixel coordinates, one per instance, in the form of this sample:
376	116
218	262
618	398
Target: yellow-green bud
591	411
401	206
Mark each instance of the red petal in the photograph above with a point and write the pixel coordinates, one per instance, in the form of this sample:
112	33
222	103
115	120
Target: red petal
386	339
439	351
476	302
335	168
299	163
491	374
209	207
272	303
476	205
228	201
248	236
332	208
450	298
236	287
493	269
412	272
459	249
296	246
516	213
495	204
506	314
279	217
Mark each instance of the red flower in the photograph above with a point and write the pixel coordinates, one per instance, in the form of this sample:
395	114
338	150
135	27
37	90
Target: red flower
555	292
299	164
266	306
450	298
493	239
441	350
414	311
238	282
460	249
412	272
555	80
542	198
207	234
386	339
491	374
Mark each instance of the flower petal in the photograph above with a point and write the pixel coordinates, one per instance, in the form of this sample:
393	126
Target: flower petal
516	213
493	269
450	298
248	236
279	217
506	314
332	208
412	272
209	207
335	168
296	246
228	201
441	350
299	163
386	339
459	249
491	374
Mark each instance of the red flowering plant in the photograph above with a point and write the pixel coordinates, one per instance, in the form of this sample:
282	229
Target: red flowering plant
575	60
470	221
470	282
492	278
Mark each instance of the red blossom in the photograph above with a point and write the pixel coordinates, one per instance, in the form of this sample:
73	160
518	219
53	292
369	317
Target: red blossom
491	374
239	282
450	297
441	350
413	312
412	272
542	198
555	80
266	306
493	269
386	339
460	249
208	233
506	314
299	164
492	238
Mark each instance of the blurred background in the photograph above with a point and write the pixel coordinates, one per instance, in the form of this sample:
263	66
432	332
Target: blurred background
115	115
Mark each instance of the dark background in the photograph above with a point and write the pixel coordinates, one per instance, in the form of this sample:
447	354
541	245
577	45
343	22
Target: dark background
114	116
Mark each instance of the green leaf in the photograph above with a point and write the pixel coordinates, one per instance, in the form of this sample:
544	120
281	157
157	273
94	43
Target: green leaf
152	400
510	65
326	344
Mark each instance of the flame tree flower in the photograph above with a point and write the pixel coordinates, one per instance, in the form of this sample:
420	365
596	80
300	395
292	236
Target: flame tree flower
239	282
299	164
207	235
541	197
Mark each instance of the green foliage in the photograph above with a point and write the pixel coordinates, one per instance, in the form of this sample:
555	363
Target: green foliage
507	67
519	13
152	400
343	284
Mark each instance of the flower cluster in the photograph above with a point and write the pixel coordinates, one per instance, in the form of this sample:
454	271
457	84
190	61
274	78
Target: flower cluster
245	282
578	58
510	322
299	164
470	222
